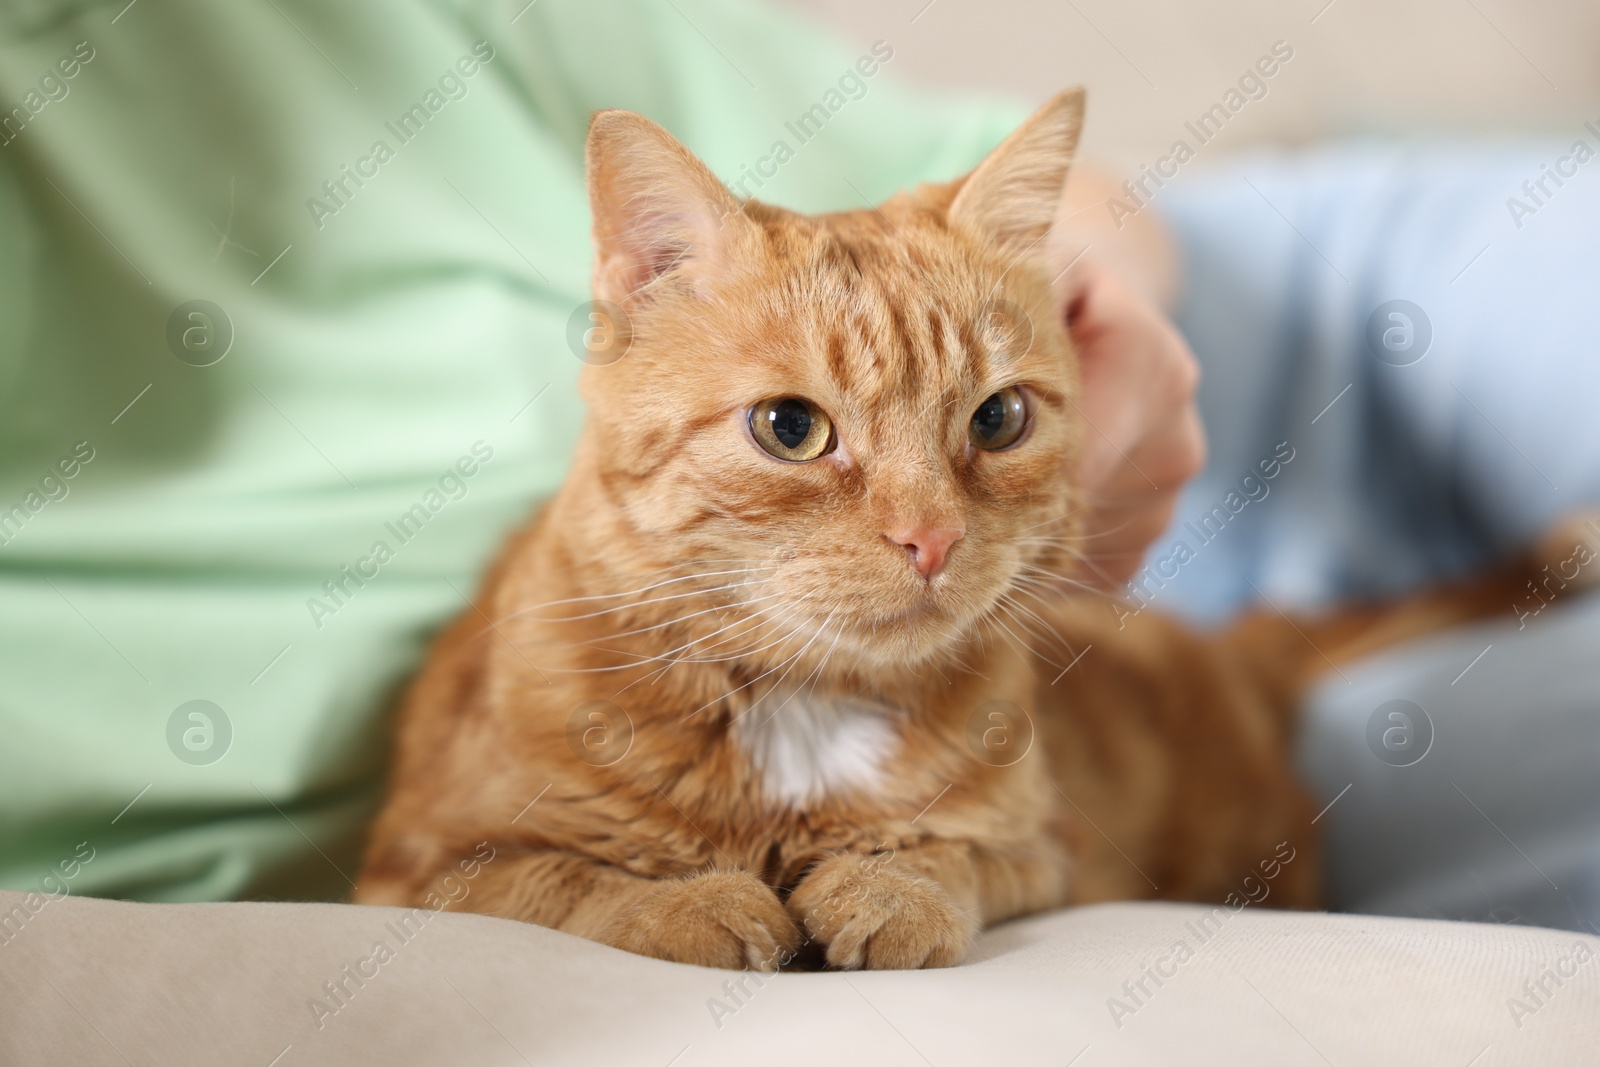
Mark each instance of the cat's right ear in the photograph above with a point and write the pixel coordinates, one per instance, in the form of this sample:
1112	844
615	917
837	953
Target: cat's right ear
658	211
1012	197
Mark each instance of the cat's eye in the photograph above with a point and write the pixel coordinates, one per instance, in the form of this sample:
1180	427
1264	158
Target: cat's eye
999	420
791	429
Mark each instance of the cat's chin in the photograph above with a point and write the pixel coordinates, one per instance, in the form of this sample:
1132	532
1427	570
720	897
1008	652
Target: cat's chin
909	626
922	633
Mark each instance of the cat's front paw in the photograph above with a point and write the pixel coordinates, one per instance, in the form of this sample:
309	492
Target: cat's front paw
728	919
870	913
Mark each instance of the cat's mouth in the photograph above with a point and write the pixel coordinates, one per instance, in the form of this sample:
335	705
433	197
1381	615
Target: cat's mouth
889	618
920	628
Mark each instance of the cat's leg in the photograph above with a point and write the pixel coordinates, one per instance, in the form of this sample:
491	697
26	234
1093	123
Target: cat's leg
921	905
717	918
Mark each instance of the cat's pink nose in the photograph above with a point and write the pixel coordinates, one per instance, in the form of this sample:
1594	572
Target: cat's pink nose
928	546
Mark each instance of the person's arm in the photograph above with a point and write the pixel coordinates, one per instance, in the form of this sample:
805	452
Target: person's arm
1144	440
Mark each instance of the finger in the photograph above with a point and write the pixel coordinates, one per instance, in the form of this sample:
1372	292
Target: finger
1113	559
1170	458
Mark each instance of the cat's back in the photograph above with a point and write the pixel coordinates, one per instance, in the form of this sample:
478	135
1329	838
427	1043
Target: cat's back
1173	757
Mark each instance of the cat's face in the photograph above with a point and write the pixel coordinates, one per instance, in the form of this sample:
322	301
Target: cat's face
864	423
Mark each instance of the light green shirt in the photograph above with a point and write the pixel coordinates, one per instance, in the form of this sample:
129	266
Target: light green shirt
268	502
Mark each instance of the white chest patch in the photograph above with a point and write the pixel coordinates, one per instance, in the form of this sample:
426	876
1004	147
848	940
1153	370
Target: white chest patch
805	747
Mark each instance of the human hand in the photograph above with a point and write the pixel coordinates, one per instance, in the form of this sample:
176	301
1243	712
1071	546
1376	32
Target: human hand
1144	440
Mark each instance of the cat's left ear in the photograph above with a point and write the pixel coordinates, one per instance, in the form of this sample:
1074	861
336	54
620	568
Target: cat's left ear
1012	197
658	210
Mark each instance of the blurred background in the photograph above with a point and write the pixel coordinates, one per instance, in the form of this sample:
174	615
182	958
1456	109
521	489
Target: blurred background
1361	67
228	368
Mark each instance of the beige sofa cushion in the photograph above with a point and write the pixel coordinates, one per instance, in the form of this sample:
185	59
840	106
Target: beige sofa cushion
91	981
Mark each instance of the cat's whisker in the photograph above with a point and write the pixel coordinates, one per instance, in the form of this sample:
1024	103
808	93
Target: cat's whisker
638	604
999	619
1068	547
1045	633
1053	539
747	619
1028	613
672	657
640	659
1052	636
1021	644
745	652
748	651
1044	550
1010	596
791	662
1073	556
771	623
814	673
1052	520
680	654
739	652
792	632
1060	583
657	585
1048	596
571	644
786	637
685	618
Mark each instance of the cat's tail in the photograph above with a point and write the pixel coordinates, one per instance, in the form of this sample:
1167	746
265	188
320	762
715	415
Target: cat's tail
1290	652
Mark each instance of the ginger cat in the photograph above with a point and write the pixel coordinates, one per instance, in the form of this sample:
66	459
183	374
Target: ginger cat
760	677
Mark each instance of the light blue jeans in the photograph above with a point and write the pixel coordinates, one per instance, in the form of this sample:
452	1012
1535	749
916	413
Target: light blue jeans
1415	325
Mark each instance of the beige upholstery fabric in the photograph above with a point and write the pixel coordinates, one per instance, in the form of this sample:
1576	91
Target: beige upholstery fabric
91	982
